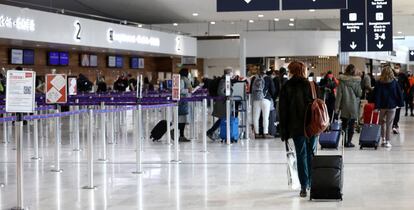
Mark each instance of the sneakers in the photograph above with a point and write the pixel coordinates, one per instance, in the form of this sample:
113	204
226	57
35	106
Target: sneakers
303	193
395	131
183	139
383	143
388	144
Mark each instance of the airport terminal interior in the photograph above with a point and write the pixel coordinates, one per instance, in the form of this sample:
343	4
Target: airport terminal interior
218	104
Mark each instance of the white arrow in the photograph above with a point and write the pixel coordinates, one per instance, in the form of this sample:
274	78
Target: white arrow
412	53
247	1
353	45
380	45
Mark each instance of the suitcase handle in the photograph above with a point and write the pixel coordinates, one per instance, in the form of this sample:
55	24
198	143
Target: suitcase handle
372	116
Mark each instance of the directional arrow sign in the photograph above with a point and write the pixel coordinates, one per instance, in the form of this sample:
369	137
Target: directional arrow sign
411	55
246	5
379	25
353	31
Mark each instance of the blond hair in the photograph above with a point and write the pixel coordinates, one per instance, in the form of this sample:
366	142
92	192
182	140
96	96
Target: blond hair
387	74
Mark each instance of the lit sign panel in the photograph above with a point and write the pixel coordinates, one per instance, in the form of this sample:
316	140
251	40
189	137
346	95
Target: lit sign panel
23	24
112	36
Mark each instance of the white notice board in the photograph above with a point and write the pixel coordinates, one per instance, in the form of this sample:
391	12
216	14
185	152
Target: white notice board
20	91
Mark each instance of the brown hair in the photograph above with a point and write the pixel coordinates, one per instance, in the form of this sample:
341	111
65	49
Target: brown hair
350	70
297	68
387	74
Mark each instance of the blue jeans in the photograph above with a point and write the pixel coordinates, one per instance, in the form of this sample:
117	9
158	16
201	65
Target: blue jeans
305	150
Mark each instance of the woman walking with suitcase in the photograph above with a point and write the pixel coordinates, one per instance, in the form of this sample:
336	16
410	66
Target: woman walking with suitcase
388	97
347	101
295	97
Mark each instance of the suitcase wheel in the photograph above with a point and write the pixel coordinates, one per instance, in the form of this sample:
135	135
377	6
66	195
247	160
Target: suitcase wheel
360	147
376	147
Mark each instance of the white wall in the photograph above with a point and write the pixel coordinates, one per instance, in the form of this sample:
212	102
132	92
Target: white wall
292	43
61	29
226	48
215	66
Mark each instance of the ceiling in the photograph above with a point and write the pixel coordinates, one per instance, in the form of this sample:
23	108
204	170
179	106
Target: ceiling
181	11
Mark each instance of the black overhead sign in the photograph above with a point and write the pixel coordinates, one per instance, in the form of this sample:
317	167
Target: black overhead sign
353	27
411	55
247	5
314	4
379	25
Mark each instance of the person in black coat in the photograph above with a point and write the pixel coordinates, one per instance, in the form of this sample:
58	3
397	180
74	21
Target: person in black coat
295	97
83	83
404	84
121	83
328	85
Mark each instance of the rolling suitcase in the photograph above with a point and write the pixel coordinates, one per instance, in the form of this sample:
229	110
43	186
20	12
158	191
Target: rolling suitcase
370	134
159	130
234	129
272	123
327	176
330	139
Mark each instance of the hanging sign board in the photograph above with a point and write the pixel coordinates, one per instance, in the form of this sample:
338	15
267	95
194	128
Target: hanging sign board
313	4
411	55
20	91
56	89
246	5
176	87
72	86
353	27
379	26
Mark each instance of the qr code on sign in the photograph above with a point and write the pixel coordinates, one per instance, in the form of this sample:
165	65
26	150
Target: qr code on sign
27	90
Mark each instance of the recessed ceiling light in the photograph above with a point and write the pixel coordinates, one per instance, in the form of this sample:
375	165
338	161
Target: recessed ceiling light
292	19
399	32
260	15
251	21
195	14
276	19
212	23
139	25
312	10
291	24
175	24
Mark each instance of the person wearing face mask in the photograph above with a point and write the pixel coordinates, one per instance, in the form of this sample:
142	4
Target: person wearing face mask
328	85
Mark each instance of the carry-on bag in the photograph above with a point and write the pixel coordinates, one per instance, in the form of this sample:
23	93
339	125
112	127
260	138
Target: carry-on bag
370	134
234	129
272	123
330	138
292	169
159	130
327	176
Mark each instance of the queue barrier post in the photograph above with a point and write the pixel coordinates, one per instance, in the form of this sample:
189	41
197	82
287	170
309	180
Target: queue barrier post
76	128
138	126
204	131
36	140
228	137
5	131
176	136
19	161
103	133
57	143
169	125
90	151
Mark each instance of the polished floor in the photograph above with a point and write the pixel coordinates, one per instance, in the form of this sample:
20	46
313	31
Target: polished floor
247	175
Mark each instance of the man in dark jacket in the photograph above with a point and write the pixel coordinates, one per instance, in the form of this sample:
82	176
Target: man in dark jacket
84	85
263	93
404	84
328	85
121	83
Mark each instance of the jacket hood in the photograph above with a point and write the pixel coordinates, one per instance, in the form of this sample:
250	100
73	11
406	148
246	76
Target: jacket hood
350	78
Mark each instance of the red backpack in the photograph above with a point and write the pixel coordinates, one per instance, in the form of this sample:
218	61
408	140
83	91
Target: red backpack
317	115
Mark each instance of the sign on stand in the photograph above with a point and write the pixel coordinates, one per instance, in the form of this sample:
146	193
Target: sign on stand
176	87
20	91
411	55
72	86
228	85
56	89
379	28
353	27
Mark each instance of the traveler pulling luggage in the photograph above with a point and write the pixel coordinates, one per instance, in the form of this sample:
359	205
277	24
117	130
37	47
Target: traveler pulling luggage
327	176
371	133
331	138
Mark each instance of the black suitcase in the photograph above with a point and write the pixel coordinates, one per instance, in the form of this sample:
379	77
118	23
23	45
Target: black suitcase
272	124
159	130
327	176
